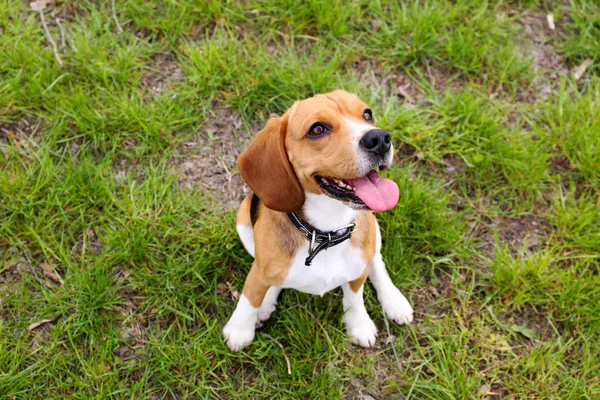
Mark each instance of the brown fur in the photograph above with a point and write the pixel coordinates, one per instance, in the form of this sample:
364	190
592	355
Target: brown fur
276	243
364	238
266	169
243	214
256	286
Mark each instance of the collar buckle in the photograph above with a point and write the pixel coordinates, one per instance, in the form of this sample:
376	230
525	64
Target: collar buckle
349	226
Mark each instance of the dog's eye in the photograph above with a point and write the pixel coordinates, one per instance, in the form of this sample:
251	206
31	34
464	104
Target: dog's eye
368	115
318	129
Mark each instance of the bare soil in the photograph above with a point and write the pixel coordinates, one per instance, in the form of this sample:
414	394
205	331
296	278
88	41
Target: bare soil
164	72
526	233
208	160
549	66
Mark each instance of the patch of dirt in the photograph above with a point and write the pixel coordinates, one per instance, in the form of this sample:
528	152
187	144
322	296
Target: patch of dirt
441	79
375	77
133	321
561	165
9	280
161	74
404	88
569	174
432	299
16	266
454	164
23	133
41	336
89	242
404	150
133	335
533	319
208	160
66	11
493	391
523	233
543	53
547	62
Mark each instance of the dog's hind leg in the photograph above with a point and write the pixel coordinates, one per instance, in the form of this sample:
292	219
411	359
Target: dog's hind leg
244	224
239	330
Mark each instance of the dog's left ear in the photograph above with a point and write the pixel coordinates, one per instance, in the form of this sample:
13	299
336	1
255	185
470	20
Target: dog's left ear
266	168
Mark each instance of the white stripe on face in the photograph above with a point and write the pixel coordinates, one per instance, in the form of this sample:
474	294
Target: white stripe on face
358	129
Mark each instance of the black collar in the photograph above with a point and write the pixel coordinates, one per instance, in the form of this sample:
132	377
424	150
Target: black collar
322	240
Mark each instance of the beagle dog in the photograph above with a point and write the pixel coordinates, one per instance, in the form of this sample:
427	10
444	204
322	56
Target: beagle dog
309	223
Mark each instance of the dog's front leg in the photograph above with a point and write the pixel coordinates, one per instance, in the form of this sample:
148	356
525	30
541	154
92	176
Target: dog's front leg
395	305
359	326
239	330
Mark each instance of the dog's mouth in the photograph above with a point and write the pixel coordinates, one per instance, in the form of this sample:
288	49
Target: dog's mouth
370	192
341	189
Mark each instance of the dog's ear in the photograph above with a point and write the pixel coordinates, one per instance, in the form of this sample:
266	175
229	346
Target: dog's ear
267	170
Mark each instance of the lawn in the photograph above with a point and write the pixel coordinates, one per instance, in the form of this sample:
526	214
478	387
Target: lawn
119	260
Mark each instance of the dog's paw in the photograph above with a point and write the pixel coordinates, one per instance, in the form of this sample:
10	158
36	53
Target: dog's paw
264	312
362	331
396	307
237	337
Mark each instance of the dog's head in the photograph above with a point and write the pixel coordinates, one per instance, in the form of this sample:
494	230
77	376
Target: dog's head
327	144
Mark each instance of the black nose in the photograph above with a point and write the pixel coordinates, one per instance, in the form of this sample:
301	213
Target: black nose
376	141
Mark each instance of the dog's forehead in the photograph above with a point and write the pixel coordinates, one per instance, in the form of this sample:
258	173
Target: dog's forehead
339	102
346	100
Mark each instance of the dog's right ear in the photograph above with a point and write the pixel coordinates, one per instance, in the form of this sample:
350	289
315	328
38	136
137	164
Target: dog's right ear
266	168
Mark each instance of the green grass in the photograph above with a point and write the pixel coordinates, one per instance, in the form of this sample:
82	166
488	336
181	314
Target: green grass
583	39
143	268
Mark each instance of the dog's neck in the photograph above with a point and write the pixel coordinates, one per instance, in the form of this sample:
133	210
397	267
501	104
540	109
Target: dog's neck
326	213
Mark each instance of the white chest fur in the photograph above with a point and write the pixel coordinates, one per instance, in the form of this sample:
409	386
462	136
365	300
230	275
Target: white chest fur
334	266
328	270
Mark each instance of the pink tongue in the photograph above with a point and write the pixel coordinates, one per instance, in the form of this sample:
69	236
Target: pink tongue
378	193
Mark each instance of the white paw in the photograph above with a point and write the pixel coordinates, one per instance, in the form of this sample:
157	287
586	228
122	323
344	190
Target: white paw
238	337
396	306
265	311
362	331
